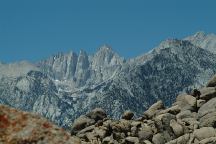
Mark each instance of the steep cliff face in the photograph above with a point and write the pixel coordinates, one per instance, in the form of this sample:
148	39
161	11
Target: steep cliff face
105	63
31	92
81	70
65	86
61	66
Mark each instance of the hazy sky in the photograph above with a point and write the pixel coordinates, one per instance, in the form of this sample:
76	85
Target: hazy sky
36	29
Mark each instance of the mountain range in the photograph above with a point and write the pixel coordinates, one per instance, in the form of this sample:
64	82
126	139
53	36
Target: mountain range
67	85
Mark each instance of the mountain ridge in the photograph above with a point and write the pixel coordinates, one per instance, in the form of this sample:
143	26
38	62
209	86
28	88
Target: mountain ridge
65	86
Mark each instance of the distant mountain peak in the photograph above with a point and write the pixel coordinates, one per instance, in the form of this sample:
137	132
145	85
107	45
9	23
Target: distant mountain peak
106	56
71	52
203	40
173	43
61	54
199	34
82	51
105	47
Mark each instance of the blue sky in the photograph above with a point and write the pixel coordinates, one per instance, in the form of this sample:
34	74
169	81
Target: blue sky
36	29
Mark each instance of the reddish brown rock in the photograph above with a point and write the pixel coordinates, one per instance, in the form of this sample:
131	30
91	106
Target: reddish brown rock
22	127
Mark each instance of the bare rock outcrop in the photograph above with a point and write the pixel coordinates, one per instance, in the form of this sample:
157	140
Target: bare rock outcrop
17	127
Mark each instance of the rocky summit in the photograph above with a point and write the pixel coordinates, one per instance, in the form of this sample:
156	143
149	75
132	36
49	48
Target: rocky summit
191	119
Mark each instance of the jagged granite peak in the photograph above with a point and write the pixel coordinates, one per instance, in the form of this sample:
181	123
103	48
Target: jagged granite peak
105	47
83	60
82	72
203	40
83	69
199	34
105	56
105	63
60	66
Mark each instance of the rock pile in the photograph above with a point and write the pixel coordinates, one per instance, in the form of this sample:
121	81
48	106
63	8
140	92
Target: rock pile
190	120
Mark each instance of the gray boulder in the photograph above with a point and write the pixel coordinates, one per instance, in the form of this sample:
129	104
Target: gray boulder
81	123
186	114
121	126
85	130
145	134
158	139
212	82
163	125
146	142
109	140
186	102
154	109
185	139
176	127
208	107
204	132
207	114
164	119
211	140
101	132
172	110
97	114
132	140
134	131
128	115
200	102
209	120
207	93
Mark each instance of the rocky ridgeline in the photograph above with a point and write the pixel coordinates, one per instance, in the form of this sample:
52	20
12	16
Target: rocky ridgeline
190	120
